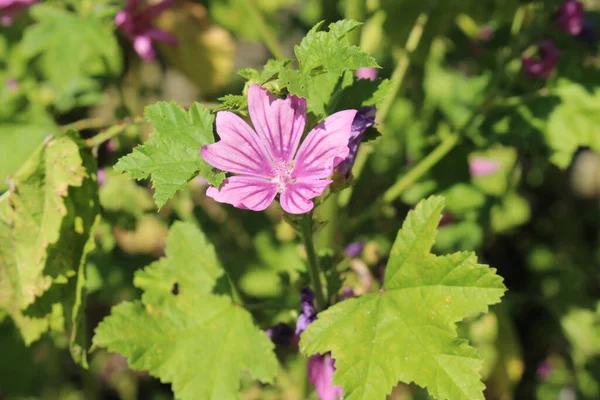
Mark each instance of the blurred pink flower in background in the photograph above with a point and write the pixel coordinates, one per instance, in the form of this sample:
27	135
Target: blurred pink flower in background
136	24
320	374
479	166
270	160
544	64
9	9
367	73
570	17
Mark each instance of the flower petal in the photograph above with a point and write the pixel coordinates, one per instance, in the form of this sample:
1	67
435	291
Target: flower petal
325	147
296	197
240	150
245	192
143	46
320	374
161	36
279	122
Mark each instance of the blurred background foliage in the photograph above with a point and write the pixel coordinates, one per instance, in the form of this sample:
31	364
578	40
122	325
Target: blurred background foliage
535	217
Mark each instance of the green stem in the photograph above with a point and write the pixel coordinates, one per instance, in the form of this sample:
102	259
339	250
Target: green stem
403	56
112	132
265	30
306	229
357	11
88	123
421	168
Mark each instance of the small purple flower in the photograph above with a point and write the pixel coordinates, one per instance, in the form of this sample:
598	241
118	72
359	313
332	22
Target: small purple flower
11	84
9	9
136	24
281	334
101	177
479	166
308	313
367	73
320	374
347	293
543	65
354	249
364	119
544	370
588	33
570	17
486	33
111	146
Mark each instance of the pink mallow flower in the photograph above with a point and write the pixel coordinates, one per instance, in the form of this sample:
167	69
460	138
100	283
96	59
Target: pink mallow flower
9	9
320	374
479	166
270	160
136	24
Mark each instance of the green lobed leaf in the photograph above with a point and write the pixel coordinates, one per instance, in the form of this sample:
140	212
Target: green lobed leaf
70	62
323	57
171	156
330	51
407	331
184	333
574	123
47	221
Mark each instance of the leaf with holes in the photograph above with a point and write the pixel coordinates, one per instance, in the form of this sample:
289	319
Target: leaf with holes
182	331
47	221
407	331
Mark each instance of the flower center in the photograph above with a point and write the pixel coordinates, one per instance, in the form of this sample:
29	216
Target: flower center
283	174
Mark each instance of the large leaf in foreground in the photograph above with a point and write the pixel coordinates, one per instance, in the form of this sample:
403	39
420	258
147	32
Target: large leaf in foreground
183	333
172	154
407	331
46	224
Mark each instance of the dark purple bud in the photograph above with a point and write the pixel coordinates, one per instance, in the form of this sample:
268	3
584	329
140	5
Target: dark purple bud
446	219
544	64
308	312
347	293
281	334
588	33
364	119
570	17
354	249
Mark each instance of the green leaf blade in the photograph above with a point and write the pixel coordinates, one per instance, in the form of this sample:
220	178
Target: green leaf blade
407	331
46	231
171	157
196	340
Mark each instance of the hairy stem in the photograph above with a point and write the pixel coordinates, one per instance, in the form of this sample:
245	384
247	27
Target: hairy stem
306	230
266	32
112	132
